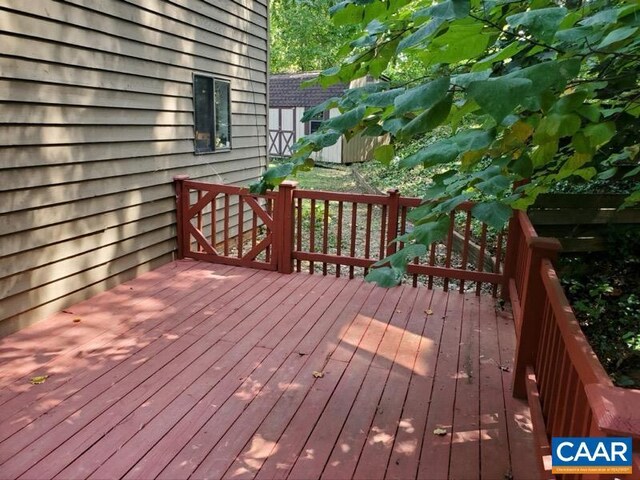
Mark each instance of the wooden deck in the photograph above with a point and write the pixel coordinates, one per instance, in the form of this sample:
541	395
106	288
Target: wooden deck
209	371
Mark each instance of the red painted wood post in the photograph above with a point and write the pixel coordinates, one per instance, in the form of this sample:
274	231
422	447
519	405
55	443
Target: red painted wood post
178	182
532	304
283	226
514	233
393	216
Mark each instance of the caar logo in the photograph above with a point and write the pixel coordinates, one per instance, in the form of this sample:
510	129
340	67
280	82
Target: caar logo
591	455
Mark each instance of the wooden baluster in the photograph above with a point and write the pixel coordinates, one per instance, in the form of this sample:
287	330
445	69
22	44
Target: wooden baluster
465	247
325	238
483	246
182	205
339	239
392	224
562	381
383	230
432	262
403	223
240	225
214	220
447	263
226	225
496	267
254	229
312	232
367	237
513	255
532	303
284	226
269	209
299	237
199	219
354	221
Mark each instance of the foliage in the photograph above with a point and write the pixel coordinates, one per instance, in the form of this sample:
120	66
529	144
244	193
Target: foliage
605	297
303	38
534	89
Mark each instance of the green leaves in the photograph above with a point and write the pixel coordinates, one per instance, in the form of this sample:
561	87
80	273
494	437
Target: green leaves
384	154
460	42
422	97
617	36
427	233
420	35
440	152
500	96
385	277
347	120
600	133
429	119
487	92
542	23
494	214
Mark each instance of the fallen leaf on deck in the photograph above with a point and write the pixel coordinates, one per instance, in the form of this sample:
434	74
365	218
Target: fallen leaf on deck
77	320
318	374
39	380
440	432
429	312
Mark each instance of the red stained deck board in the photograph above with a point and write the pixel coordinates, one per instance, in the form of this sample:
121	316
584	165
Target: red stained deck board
211	368
125	376
212	428
263	441
408	442
434	460
287	451
494	448
64	380
466	423
378	340
519	426
234	439
397	355
128	394
53	337
312	327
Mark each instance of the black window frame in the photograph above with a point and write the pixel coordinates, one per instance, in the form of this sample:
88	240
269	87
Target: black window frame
207	144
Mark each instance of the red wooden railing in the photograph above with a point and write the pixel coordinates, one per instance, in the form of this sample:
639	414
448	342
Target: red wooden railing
322	232
226	224
568	390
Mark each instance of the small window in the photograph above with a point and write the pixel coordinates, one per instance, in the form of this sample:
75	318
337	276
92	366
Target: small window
314	124
212	104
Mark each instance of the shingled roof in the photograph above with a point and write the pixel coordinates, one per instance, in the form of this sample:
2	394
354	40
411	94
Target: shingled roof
285	90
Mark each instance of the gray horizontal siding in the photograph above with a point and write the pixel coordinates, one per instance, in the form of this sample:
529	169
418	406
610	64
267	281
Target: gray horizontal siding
96	117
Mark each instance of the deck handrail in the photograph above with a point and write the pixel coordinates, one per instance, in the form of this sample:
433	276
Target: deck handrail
293	228
556	370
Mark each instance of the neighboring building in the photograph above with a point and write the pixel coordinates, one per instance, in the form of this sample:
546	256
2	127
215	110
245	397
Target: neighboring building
288	100
97	116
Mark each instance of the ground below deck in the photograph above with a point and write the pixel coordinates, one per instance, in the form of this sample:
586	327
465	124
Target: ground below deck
206	371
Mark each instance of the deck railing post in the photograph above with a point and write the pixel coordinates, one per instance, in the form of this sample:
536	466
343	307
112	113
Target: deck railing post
514	233
392	221
532	304
181	205
283	226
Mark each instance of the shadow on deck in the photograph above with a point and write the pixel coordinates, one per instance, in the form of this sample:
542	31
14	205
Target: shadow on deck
209	371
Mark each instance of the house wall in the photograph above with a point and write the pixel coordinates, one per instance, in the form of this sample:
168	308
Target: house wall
96	117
